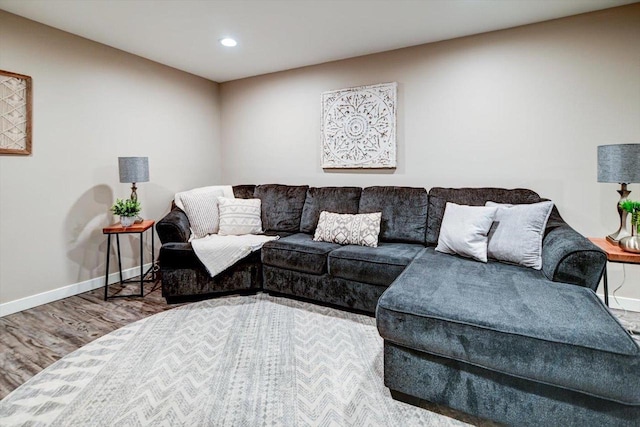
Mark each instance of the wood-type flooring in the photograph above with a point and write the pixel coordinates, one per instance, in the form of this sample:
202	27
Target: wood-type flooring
33	339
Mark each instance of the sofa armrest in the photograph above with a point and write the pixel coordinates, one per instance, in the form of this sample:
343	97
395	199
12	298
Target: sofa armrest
568	256
174	227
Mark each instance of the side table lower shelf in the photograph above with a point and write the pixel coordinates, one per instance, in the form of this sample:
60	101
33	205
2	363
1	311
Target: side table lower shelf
117	230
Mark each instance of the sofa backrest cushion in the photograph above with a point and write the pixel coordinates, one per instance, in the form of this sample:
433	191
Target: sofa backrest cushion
243	191
281	206
343	200
404	212
438	198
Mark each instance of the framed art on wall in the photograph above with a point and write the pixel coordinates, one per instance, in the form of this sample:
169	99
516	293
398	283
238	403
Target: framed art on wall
15	113
359	127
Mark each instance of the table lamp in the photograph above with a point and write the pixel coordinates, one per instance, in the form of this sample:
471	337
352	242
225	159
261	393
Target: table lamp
619	163
132	170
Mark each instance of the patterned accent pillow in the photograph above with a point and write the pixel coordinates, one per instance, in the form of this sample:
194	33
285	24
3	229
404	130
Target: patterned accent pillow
201	207
239	216
349	229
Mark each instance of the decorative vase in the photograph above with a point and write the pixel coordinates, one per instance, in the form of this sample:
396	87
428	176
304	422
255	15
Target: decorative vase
127	221
631	243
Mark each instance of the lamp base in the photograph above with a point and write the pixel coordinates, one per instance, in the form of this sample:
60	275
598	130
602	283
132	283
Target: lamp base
617	236
622	230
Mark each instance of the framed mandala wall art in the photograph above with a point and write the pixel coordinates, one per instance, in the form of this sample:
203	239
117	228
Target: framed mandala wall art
15	113
359	127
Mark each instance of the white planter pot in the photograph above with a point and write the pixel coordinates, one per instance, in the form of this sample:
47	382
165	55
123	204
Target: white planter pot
127	221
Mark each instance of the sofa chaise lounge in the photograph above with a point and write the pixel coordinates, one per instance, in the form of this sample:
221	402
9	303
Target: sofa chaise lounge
499	341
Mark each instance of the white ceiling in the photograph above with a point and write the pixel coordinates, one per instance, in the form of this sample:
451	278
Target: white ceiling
275	35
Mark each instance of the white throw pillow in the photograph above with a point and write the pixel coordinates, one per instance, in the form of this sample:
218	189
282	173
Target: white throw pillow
517	233
227	191
201	207
239	216
349	229
464	230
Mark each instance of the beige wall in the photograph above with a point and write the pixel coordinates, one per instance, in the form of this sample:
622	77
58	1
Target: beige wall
524	107
92	104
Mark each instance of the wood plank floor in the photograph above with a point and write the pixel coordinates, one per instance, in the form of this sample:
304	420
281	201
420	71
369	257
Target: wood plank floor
33	339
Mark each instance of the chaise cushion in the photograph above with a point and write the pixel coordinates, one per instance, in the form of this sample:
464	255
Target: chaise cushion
511	320
404	212
281	206
298	252
344	200
378	266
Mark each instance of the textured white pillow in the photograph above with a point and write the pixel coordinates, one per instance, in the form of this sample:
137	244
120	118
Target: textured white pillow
239	216
464	230
517	233
349	229
227	191
201	207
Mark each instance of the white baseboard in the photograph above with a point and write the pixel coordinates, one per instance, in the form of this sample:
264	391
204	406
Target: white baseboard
623	303
66	291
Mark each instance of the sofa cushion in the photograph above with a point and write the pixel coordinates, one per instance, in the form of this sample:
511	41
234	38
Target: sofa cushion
377	266
512	320
281	206
243	191
298	252
404	212
438	198
344	200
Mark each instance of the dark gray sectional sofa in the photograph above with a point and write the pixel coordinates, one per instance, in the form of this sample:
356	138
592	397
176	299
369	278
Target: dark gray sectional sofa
499	341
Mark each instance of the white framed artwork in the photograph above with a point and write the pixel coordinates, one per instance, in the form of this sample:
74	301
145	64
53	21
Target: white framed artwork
358	127
15	113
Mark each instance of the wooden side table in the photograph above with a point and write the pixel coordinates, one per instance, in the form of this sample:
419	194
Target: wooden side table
614	254
118	229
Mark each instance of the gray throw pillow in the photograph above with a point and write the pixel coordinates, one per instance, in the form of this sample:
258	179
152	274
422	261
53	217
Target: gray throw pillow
517	233
464	230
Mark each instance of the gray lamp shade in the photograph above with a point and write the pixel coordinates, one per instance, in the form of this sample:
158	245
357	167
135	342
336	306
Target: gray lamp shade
133	169
619	163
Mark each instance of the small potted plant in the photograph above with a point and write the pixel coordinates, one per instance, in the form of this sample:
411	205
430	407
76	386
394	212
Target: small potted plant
632	243
128	210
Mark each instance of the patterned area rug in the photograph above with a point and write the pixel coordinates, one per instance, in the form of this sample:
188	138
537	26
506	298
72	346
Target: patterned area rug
630	323
236	361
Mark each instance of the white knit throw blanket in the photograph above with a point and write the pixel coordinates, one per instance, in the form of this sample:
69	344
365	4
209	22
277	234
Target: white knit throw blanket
218	253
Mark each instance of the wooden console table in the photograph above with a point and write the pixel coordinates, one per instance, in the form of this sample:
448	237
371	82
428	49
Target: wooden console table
118	229
614	254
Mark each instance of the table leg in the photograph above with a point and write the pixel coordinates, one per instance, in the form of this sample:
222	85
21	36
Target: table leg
106	274
153	256
141	264
119	259
606	287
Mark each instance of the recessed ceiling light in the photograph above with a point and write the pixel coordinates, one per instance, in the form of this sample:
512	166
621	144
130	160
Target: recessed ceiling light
228	42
